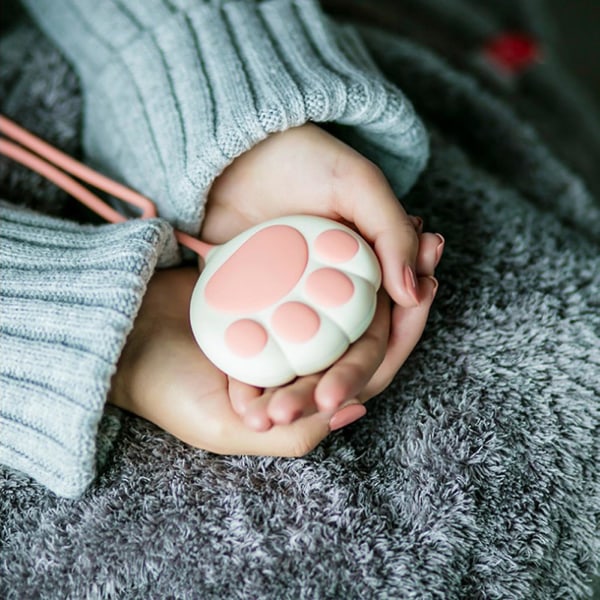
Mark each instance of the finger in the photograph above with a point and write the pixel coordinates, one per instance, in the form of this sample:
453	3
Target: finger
431	248
295	439
348	413
363	196
255	415
241	395
210	423
300	437
408	325
348	376
417	223
282	405
294	400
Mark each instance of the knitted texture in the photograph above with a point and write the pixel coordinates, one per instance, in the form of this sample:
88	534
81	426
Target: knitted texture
68	298
206	81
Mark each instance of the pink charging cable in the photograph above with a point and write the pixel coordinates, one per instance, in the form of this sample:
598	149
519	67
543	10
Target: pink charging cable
47	161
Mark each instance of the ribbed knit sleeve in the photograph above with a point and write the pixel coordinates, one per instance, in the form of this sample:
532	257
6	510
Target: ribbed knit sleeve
174	91
68	298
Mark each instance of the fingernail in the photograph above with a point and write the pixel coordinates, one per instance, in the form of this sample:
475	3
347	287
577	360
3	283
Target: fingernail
347	415
435	285
417	222
439	250
410	281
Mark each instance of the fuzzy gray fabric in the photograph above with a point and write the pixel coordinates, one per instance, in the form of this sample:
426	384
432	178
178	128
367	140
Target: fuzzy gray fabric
476	475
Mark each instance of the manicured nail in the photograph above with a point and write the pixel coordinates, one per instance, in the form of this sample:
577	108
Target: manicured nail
347	415
410	282
417	223
439	250
435	285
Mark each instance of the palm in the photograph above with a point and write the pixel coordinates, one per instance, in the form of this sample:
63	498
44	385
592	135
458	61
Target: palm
164	377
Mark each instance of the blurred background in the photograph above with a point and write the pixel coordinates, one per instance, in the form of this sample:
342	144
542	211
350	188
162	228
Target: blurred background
577	23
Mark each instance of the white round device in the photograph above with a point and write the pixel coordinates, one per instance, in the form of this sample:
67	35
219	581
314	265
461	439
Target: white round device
284	298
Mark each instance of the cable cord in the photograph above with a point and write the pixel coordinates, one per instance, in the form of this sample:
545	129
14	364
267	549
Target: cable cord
41	157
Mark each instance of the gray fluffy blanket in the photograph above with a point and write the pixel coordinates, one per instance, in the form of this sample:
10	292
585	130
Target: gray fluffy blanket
476	475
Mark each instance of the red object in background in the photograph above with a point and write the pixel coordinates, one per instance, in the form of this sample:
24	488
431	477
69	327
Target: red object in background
512	52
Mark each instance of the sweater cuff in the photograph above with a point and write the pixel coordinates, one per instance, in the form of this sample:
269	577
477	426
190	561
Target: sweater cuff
172	99
68	298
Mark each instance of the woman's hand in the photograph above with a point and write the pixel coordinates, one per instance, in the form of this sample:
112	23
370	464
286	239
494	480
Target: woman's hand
307	171
164	377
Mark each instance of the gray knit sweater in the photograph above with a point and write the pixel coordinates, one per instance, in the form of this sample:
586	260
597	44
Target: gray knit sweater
173	92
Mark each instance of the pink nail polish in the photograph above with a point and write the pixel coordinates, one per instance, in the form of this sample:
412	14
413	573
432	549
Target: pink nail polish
347	415
439	248
417	222
435	286
410	281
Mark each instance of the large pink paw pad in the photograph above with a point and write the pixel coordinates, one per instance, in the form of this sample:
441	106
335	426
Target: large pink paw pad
260	272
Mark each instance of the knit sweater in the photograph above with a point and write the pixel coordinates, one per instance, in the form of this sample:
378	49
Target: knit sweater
173	92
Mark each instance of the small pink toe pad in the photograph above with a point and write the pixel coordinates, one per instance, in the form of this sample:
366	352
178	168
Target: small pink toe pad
246	338
329	287
336	246
295	322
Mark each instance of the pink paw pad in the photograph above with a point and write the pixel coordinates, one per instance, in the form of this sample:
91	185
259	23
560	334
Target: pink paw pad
329	287
283	299
295	322
336	246
246	337
261	272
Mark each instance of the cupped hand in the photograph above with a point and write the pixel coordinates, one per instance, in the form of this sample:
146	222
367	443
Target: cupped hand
164	377
307	171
